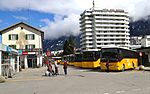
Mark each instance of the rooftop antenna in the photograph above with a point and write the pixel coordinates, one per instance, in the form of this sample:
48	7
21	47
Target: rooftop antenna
28	2
93	4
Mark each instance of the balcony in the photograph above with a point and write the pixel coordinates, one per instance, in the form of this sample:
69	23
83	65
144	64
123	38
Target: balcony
32	50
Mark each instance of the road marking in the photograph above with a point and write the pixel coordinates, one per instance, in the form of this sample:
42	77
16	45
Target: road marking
137	89
106	93
148	88
122	91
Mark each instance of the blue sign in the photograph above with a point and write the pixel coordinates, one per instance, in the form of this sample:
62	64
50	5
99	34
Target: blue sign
8	49
19	52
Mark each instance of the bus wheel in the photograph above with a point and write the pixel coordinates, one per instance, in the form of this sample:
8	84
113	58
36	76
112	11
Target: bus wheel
123	67
133	66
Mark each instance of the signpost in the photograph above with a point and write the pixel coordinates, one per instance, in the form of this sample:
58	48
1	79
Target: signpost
140	57
140	54
141	67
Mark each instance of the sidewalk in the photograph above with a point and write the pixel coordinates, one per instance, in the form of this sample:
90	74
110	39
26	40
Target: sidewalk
146	68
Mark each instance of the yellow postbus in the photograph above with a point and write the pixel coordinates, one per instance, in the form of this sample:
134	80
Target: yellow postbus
118	59
91	59
58	59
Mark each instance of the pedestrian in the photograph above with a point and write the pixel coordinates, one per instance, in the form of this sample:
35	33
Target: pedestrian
56	67
107	65
65	67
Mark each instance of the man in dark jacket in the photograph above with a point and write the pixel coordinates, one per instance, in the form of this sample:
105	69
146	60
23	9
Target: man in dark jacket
65	67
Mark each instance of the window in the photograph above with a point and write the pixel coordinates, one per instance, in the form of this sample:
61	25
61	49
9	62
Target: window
13	36
21	28
31	46
12	46
30	37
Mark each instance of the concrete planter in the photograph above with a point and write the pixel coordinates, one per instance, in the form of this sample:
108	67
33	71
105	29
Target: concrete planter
141	67
2	79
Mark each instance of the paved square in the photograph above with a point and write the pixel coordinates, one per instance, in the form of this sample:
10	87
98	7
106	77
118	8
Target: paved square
78	81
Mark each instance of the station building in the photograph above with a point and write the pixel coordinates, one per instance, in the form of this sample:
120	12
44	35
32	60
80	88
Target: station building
27	40
142	44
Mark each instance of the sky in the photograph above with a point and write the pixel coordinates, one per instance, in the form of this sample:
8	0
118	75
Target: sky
58	18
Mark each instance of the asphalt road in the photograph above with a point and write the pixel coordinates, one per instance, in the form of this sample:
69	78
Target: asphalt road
78	81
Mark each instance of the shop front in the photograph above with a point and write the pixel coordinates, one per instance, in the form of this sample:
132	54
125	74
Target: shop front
30	59
9	62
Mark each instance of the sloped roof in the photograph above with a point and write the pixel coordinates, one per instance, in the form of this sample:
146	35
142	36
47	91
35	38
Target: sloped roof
25	25
19	24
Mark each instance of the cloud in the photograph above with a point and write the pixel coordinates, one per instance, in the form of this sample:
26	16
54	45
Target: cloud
136	8
61	26
66	12
20	17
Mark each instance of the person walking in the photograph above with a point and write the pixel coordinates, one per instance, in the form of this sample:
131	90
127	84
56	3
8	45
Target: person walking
107	65
65	67
56	67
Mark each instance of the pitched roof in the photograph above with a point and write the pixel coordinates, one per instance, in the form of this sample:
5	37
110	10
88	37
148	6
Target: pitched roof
19	24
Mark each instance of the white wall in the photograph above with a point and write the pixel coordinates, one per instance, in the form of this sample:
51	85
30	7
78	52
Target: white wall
21	40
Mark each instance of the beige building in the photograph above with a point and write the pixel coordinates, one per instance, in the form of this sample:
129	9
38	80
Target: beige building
27	40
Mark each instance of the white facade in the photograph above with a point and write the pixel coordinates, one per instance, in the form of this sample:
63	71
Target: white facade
100	28
136	40
27	40
139	41
145	42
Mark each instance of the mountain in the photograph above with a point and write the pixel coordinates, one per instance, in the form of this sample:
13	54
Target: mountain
140	27
57	44
137	28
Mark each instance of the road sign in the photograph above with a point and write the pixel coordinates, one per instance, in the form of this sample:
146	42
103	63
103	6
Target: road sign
48	53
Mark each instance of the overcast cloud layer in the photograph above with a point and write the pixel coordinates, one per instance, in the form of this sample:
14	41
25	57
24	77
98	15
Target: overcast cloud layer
71	10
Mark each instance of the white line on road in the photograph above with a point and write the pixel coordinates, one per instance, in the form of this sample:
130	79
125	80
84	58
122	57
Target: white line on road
106	93
148	87
137	89
122	91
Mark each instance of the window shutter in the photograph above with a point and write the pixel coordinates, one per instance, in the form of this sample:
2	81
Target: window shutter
9	37
14	46
26	37
16	37
33	37
26	47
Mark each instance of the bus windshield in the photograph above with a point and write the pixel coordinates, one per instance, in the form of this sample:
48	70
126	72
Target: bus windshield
111	54
91	55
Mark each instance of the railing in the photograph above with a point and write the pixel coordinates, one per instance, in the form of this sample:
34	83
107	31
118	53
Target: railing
32	50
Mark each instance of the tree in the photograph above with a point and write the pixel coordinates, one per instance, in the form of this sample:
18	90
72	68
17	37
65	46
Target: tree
69	46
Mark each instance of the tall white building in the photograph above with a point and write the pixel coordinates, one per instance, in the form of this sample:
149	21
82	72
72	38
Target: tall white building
101	28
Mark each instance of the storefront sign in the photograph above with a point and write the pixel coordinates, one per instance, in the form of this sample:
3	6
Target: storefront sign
8	49
24	53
